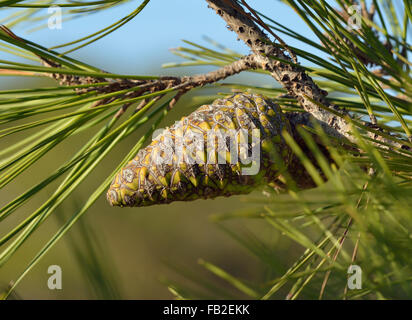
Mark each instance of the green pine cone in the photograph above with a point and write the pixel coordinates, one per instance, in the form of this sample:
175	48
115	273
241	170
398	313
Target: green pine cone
221	149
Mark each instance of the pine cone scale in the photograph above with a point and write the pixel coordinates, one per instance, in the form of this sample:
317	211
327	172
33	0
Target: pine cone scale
186	162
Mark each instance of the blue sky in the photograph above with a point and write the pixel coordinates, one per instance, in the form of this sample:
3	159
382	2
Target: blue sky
142	45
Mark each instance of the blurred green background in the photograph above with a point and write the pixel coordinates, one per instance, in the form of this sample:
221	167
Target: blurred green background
137	250
133	253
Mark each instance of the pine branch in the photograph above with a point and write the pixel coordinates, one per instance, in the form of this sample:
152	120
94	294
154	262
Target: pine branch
290	75
182	84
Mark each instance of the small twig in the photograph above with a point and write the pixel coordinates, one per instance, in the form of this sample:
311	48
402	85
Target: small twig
325	280
372	10
181	84
123	109
176	98
335	256
67	79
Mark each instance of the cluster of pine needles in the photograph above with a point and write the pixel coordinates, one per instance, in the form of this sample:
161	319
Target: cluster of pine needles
359	213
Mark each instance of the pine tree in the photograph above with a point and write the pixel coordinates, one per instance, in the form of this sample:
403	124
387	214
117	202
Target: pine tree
336	143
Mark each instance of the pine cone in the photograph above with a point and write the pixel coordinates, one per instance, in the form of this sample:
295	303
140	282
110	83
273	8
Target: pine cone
189	161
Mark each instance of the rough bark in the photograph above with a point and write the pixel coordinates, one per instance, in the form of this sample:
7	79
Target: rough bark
289	74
